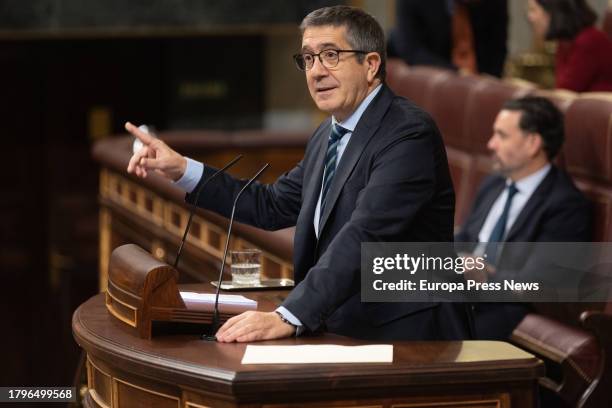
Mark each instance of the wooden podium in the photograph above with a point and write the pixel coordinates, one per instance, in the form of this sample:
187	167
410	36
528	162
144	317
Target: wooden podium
181	371
142	290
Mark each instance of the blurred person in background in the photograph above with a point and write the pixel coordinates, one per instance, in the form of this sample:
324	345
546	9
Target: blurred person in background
465	35
584	53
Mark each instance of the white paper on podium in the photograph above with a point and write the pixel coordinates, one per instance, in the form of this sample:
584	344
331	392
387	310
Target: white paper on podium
210	298
318	354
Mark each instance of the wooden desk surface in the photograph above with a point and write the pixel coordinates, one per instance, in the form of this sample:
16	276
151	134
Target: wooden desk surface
216	368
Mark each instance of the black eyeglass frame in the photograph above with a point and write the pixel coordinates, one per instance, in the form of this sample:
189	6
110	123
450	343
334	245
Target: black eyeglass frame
318	55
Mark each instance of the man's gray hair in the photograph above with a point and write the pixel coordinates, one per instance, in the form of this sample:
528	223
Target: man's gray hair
362	30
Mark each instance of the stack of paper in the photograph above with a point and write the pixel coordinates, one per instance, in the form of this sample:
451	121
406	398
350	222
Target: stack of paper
238	300
318	354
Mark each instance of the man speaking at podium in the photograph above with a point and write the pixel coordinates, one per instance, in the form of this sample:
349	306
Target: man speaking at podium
376	170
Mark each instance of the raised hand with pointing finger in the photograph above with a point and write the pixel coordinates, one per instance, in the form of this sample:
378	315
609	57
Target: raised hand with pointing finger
154	155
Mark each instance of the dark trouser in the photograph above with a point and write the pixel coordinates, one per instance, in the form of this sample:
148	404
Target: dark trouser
496	321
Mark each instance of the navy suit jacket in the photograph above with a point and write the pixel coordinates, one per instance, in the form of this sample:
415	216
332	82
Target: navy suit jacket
556	212
392	184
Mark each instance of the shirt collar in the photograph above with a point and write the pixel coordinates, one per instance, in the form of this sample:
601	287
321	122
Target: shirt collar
528	184
351	122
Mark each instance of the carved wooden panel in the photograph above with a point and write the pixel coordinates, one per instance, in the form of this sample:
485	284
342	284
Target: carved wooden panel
127	394
148	208
99	384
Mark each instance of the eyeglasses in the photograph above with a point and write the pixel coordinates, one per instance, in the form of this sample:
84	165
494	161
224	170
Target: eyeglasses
329	58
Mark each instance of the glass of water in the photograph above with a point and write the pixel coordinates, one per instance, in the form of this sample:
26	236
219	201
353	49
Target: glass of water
246	267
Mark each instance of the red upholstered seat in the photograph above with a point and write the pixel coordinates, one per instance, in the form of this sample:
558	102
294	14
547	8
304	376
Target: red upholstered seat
562	98
467	127
601	198
448	108
450	99
588	145
482	107
588	157
415	83
576	350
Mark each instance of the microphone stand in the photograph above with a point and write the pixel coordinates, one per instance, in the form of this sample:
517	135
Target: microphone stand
194	203
215	321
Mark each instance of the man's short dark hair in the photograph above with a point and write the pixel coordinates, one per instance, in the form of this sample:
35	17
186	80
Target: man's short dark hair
539	115
362	30
567	18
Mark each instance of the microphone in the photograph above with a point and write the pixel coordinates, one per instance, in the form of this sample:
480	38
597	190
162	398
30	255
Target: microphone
215	321
193	205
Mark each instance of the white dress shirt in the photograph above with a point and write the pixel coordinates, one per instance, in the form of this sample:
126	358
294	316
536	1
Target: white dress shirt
525	186
350	123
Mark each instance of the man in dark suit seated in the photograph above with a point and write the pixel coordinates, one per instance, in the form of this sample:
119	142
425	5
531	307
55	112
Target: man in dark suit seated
376	170
529	199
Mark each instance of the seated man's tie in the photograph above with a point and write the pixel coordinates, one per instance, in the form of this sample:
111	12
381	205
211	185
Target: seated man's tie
499	230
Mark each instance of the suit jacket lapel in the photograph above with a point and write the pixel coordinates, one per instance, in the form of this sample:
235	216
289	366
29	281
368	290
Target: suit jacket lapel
304	240
538	196
312	188
366	127
485	208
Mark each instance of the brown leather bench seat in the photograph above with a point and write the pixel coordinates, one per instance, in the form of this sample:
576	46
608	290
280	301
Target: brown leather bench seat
576	345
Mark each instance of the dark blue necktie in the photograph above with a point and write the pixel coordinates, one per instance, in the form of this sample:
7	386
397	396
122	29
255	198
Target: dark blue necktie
497	235
331	156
